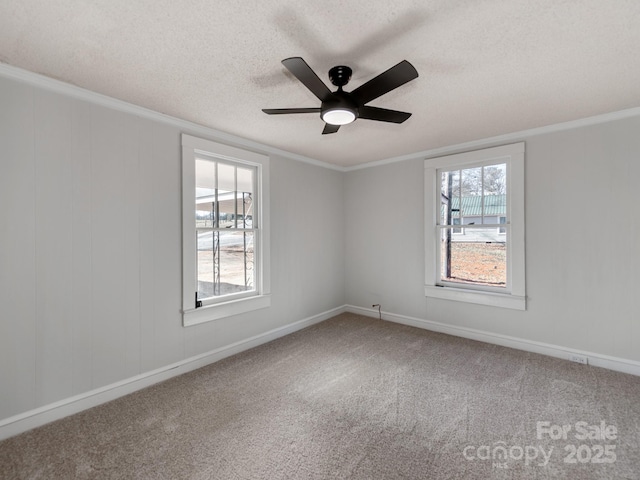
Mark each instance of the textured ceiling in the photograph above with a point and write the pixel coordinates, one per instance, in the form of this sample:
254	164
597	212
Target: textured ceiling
487	67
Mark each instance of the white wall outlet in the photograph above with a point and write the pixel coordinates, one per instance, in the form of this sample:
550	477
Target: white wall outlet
574	357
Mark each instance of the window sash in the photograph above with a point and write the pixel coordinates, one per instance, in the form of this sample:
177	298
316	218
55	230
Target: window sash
443	281
253	290
484	199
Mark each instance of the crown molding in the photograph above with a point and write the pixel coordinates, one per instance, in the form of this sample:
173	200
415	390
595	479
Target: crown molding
502	139
74	91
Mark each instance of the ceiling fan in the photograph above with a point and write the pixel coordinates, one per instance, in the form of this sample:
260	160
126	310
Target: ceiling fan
340	107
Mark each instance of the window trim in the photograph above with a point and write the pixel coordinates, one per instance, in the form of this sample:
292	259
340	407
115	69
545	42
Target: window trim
513	155
261	298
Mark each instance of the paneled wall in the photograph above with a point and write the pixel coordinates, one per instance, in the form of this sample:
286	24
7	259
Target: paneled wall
90	248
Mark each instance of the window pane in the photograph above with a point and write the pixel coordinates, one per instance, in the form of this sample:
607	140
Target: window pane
206	264
450	190
226	195
495	208
471	182
456	221
245	197
495	193
495	179
204	215
225	263
244	206
478	257
227	212
236	262
502	230
226	177
205	192
245	179
205	175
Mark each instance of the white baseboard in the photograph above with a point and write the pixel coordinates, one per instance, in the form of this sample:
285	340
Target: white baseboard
595	359
48	413
40	416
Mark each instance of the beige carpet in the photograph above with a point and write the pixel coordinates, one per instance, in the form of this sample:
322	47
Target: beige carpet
355	398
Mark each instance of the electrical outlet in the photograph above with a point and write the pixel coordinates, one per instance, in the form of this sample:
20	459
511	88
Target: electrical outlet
574	357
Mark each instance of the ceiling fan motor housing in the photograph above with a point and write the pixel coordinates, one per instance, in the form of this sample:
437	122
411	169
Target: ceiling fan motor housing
340	75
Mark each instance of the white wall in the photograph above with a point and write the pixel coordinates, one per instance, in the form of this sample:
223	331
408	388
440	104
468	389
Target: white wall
90	248
583	276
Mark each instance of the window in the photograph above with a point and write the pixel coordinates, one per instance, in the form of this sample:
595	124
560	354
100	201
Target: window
484	261
225	230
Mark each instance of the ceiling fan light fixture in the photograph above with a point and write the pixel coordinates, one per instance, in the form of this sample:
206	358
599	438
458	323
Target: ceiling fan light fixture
338	116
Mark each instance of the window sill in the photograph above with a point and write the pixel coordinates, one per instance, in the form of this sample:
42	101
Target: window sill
218	311
481	298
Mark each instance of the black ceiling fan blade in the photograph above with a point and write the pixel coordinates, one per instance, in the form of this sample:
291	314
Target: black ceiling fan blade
382	114
307	76
280	111
328	128
397	75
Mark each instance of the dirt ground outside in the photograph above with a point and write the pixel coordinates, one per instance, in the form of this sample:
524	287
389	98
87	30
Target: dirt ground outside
478	263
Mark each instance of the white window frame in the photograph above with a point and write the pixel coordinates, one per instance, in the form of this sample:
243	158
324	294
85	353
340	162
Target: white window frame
233	304
514	295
